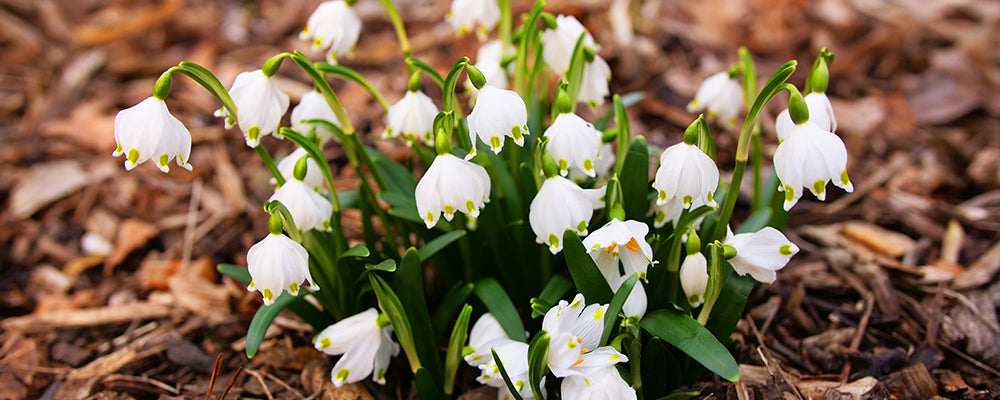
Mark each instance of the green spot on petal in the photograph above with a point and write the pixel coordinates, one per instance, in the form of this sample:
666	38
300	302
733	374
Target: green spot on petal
164	158
660	216
293	288
785	250
582	226
662	196
430	217
470	207
598	314
711	198
789	193
449	210
325	343
268	296
553	240
563	165
342	374
688	200
819	186
254	132
844	179
516	133
133	155
588	165
495	142
317	42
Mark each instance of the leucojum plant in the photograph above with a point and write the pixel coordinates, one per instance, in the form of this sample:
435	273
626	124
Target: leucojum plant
587	279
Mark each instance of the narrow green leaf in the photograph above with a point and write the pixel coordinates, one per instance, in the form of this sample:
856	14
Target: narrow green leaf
635	180
586	275
681	396
440	242
615	307
427	387
237	272
496	300
358	251
574	74
397	178
352	75
390	304
453	357
265	314
693	339
552	293
450	305
427	69
624	132
538	354
387	266
410	287
506	377
770	88
729	308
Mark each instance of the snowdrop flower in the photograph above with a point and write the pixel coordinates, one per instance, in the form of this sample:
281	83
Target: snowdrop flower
602	165
314	176
574	331
620	240
412	117
558	43
364	341
820	113
313	106
278	263
671	212
573	141
594	84
721	95
604	384
259	105
148	130
694	278
309	209
334	24
466	14
809	157
514	356
686	173
488	60
760	253
452	184
486	334
560	205
497	113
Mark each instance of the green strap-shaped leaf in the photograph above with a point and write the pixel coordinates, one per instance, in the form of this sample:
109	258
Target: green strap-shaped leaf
265	314
452	302
240	273
538	355
586	275
392	307
397	177
689	336
757	221
635	180
427	387
729	308
496	300
440	242
453	357
506	377
553	291
615	307
427	69
410	287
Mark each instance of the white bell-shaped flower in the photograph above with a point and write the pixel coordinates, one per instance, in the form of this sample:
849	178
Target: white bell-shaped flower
671	212
467	14
514	356
721	95
809	157
412	117
687	173
618	240
497	113
574	330
558	43
278	263
259	105
451	184
760	254
604	384
334	24
602	165
309	209
573	142
486	334
694	278
820	113
488	60
365	342
594	84
560	205
313	106
314	176
146	131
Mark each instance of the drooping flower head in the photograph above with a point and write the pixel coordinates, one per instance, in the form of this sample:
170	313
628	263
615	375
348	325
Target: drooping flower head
560	205
686	173
514	356
309	209
412	117
820	113
259	105
575	330
334	24
146	131
467	14
594	84
721	95
277	264
313	106
809	157
451	184
603	384
618	240
760	254
694	278
365	342
558	43
498	113
573	142
314	178
486	334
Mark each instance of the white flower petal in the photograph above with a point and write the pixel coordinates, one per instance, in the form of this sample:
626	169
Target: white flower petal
313	106
694	278
147	131
451	185
309	209
277	264
259	105
334	24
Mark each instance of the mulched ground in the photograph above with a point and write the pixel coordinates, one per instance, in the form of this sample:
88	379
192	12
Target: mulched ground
894	290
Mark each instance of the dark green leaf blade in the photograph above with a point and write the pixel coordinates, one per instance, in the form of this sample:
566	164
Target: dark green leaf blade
586	275
496	300
693	339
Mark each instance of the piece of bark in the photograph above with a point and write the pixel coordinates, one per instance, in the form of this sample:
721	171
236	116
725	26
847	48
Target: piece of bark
43	184
980	327
132	234
911	383
866	388
981	271
883	241
40	322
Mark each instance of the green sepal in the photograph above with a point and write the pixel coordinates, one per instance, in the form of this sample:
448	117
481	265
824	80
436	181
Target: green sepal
272	64
427	69
476	76
797	108
162	87
275	207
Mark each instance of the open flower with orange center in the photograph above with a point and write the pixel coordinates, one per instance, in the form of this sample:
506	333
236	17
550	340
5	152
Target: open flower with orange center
617	240
575	329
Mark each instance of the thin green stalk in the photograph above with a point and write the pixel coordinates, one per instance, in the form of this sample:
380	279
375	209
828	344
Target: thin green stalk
397	24
269	163
755	161
504	27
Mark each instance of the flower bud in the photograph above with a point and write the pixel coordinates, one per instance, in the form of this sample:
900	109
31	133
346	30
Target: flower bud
476	76
797	108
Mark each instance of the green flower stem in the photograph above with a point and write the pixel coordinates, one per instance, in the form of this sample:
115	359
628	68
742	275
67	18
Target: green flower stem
270	164
397	24
635	355
746	65
714	288
528	38
324	87
772	87
624	134
504	27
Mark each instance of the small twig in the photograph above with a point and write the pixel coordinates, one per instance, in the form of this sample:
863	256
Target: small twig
934	323
215	373
283	384
972	307
968	358
263	384
763	351
232	381
859	335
